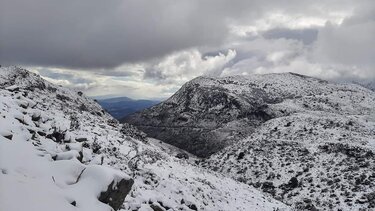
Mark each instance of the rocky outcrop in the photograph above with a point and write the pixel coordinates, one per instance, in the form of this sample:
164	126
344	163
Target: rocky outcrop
208	114
203	119
115	195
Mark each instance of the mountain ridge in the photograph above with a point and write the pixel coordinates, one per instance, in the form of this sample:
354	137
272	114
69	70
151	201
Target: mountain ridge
313	149
214	107
120	107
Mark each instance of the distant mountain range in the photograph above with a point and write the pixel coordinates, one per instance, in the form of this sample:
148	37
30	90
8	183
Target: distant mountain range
368	85
120	107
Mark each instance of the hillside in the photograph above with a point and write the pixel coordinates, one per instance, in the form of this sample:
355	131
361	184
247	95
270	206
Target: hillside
61	151
309	143
120	107
208	114
368	85
317	152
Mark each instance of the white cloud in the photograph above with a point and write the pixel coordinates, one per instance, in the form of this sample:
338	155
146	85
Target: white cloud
331	40
347	44
159	79
185	65
284	19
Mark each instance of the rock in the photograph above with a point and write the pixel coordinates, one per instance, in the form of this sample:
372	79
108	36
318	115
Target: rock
74	203
240	156
192	206
268	187
371	199
68	155
95	147
83	107
13	88
21	120
35	117
51	89
311	207
182	155
63	98
41	133
115	195
112	122
86	145
156	207
58	136
293	183
96	113
81	139
10	136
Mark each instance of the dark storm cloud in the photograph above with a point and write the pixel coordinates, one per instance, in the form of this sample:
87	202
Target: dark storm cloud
144	49
105	34
96	33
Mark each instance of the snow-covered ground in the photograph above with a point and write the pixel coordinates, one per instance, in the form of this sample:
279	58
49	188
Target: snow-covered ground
318	150
59	151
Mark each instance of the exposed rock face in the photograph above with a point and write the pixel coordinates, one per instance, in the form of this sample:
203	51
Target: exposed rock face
203	119
208	114
115	195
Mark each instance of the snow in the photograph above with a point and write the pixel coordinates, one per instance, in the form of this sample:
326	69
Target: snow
42	184
31	179
323	136
67	155
307	142
24	176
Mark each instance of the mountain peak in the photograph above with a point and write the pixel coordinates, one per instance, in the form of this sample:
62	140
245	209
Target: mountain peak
209	113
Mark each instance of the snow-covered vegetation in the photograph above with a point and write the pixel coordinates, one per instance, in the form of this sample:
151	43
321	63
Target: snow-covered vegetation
60	151
307	142
317	150
271	142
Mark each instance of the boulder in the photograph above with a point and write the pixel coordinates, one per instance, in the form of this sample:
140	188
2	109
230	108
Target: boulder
10	136
35	117
56	136
115	195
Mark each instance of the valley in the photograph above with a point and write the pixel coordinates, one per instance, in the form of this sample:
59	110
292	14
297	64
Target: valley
262	142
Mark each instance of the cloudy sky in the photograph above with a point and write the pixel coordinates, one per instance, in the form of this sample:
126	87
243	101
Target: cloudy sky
148	49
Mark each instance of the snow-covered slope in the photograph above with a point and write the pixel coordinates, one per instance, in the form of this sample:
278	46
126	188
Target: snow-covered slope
317	150
207	114
307	142
59	149
368	84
